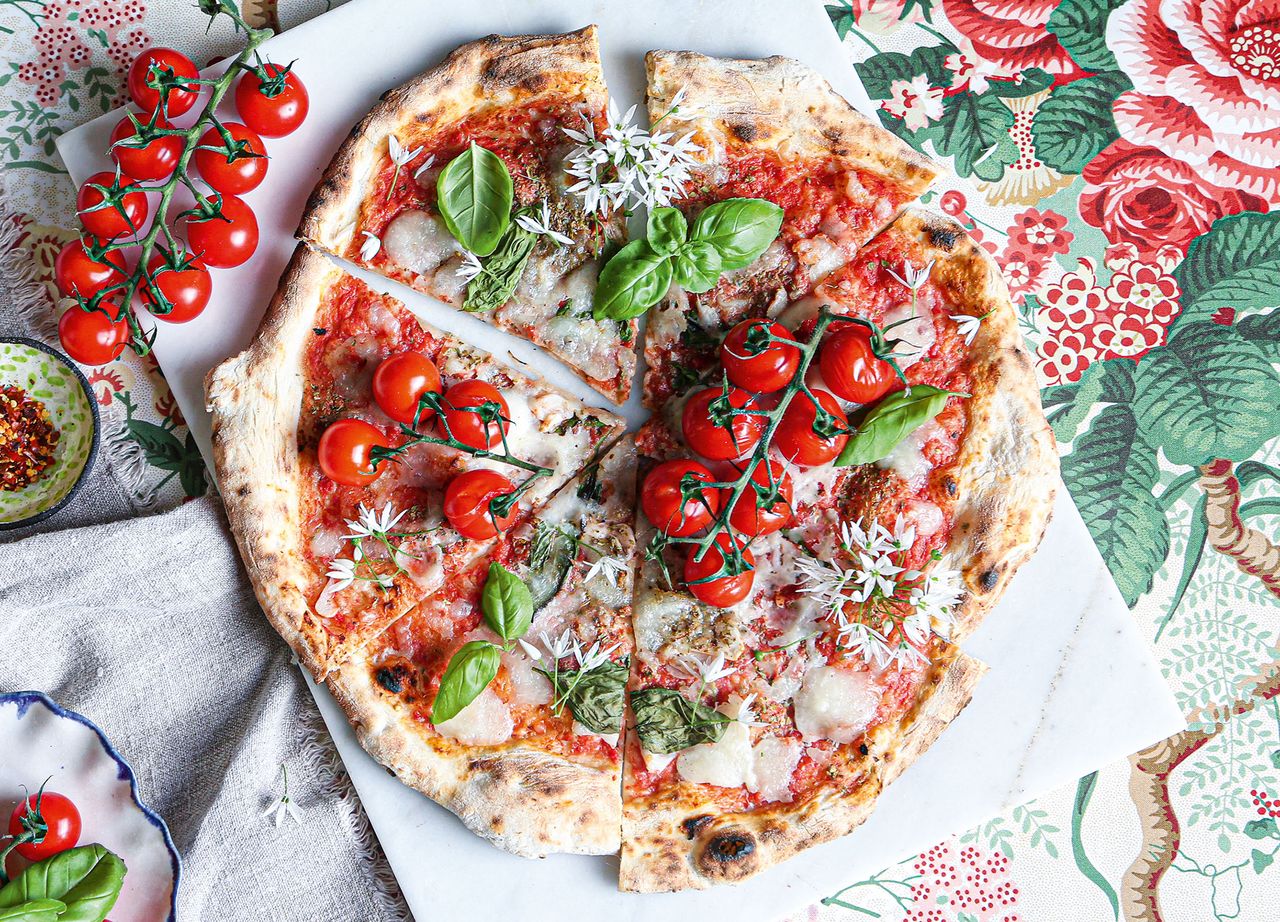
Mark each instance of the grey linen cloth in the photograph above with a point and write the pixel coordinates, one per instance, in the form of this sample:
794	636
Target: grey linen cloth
149	627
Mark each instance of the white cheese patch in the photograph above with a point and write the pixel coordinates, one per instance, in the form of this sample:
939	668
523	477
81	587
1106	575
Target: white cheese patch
419	242
610	738
484	722
836	704
657	761
728	763
775	762
907	459
914	337
527	686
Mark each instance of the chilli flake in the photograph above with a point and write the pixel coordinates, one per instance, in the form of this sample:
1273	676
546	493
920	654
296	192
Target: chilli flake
370	247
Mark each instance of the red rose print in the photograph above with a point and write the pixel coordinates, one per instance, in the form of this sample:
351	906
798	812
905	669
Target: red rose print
1041	233
1139	195
1011	35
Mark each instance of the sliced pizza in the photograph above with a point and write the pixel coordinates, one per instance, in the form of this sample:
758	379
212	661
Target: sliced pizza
458	184
365	456
532	759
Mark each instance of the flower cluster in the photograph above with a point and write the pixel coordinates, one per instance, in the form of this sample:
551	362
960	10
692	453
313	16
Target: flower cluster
369	525
567	644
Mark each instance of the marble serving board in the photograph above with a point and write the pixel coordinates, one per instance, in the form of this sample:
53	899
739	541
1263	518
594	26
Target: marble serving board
1072	685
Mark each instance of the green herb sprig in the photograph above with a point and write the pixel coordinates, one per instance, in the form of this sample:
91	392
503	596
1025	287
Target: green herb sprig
77	885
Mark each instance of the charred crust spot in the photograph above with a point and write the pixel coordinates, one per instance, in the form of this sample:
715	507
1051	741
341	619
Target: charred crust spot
862	749
730	846
744	131
944	238
391	679
695	824
988	579
949	484
243	491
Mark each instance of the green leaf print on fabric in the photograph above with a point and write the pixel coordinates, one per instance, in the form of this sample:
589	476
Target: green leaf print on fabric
1235	264
1075	123
1081	28
974	130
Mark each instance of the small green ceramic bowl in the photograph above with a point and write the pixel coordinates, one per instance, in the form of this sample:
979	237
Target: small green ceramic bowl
53	379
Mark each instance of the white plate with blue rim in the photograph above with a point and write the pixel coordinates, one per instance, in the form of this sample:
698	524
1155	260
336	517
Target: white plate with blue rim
39	740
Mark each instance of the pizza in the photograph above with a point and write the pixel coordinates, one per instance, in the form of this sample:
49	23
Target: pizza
707	646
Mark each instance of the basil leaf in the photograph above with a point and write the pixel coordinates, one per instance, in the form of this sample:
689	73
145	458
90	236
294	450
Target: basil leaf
740	228
506	603
87	879
697	266
890	421
497	281
469	672
34	911
667	721
594	697
631	282
667	229
551	556
474	194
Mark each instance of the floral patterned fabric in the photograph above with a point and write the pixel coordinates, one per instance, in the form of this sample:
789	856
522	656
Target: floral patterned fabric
1119	160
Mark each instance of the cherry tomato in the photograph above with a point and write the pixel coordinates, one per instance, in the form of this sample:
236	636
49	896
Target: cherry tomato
345	452
107	221
272	116
240	174
57	813
181	98
469	426
665	505
187	290
155	161
795	437
78	273
768	370
704	432
851	369
467	501
750	516
720	591
225	244
400	382
91	337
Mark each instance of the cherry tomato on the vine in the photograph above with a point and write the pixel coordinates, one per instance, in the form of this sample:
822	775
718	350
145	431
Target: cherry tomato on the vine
272	116
186	286
155	161
345	452
850	367
767	370
798	442
720	591
467	503
664	502
714	431
753	516
124	215
91	337
57	813
469	425
227	243
400	382
237	172
76	272
181	98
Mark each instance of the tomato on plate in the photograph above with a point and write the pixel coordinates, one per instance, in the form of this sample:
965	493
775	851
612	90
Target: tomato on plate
765	505
181	98
468	499
851	368
714	431
54	819
479	428
671	509
400	382
235	169
91	337
796	439
156	160
227	243
345	452
76	272
183	281
118	211
766	370
272	116
720	591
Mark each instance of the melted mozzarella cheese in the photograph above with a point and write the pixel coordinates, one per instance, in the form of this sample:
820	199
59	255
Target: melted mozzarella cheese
836	704
418	242
914	337
527	686
775	761
907	459
610	738
727	763
484	722
657	761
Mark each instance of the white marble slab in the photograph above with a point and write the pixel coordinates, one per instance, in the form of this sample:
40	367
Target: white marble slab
1072	685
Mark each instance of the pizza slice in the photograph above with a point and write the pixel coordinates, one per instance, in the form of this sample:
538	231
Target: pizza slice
458	184
772	130
532	760
364	457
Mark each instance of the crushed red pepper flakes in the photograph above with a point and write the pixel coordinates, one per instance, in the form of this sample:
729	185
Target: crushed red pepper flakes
28	439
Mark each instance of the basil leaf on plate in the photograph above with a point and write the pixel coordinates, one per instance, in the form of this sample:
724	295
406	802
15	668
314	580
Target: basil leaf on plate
506	603
667	721
594	697
667	229
42	910
551	555
631	282
696	266
87	879
502	271
891	420
740	229
474	194
469	672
